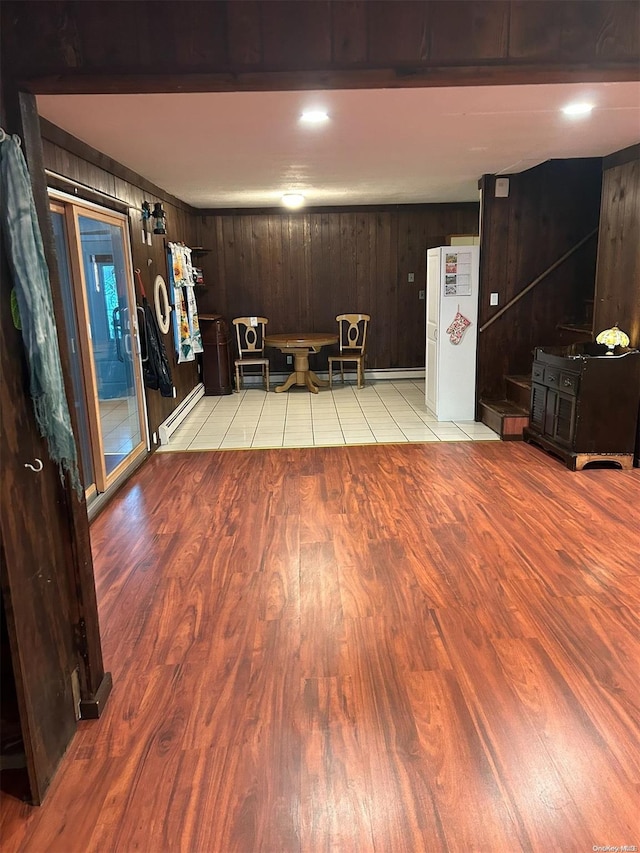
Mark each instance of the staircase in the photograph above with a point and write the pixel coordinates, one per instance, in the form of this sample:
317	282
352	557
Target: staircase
581	328
508	417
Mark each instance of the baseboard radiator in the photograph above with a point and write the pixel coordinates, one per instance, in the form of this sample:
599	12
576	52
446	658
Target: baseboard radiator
171	424
417	373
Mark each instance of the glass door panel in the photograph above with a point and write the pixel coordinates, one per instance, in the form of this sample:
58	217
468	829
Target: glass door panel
100	311
73	344
112	338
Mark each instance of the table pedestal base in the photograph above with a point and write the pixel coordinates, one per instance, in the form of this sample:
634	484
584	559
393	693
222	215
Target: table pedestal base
302	374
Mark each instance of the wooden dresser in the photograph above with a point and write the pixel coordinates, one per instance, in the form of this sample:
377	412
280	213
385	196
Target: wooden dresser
584	404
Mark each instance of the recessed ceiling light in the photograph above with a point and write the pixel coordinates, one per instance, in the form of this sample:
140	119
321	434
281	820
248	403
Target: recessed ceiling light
293	199
314	116
581	108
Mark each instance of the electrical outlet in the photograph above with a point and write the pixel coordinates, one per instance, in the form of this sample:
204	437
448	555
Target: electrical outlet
155	437
289	359
411	277
421	294
493	299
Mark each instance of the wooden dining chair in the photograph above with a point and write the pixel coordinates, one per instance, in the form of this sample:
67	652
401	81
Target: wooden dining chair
250	339
353	339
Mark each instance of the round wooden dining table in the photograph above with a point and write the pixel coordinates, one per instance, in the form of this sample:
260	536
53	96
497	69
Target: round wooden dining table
300	345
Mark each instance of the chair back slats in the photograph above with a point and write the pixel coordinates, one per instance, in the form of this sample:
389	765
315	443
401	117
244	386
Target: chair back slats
250	340
353	331
250	335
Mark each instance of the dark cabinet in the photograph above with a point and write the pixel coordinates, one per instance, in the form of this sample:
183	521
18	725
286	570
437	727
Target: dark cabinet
217	358
584	404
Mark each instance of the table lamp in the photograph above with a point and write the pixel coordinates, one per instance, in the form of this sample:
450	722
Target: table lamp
613	338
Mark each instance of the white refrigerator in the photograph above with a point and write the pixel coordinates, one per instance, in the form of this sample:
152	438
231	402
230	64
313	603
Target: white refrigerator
452	332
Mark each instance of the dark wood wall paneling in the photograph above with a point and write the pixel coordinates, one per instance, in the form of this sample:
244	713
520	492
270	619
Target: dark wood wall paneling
618	276
105	46
302	269
617	298
65	155
549	210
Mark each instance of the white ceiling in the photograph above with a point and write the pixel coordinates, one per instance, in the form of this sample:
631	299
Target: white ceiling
395	146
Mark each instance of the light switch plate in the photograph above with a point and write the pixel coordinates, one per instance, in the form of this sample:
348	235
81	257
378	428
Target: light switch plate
493	299
421	294
411	277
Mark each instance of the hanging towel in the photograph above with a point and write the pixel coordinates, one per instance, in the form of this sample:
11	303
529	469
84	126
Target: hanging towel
186	328
25	253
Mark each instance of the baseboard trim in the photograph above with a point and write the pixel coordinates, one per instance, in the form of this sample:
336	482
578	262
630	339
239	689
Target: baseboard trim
417	373
171	424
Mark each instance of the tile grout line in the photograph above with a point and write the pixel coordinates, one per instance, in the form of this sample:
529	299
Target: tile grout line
313	412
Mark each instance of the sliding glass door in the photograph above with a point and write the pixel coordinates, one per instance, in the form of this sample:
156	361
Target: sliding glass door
94	260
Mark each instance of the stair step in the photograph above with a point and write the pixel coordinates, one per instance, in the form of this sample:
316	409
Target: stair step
504	417
578	328
519	390
524	380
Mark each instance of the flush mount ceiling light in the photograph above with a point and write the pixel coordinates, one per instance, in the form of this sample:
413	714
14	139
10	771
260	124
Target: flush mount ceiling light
293	200
581	108
314	116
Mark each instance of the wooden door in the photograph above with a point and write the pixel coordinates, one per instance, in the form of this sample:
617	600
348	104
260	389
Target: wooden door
35	578
46	568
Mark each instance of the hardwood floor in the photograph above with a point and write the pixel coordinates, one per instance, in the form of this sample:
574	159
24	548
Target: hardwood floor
382	648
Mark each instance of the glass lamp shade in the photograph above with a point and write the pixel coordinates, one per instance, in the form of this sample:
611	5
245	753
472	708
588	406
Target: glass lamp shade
612	338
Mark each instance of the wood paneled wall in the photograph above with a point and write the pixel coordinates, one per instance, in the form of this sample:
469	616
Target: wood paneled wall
302	269
618	276
549	210
137	46
617	298
65	155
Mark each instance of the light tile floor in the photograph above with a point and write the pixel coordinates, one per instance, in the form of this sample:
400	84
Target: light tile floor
120	425
381	412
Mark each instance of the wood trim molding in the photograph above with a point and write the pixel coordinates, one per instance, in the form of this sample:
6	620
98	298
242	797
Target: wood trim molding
619	158
72	83
351	208
61	184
